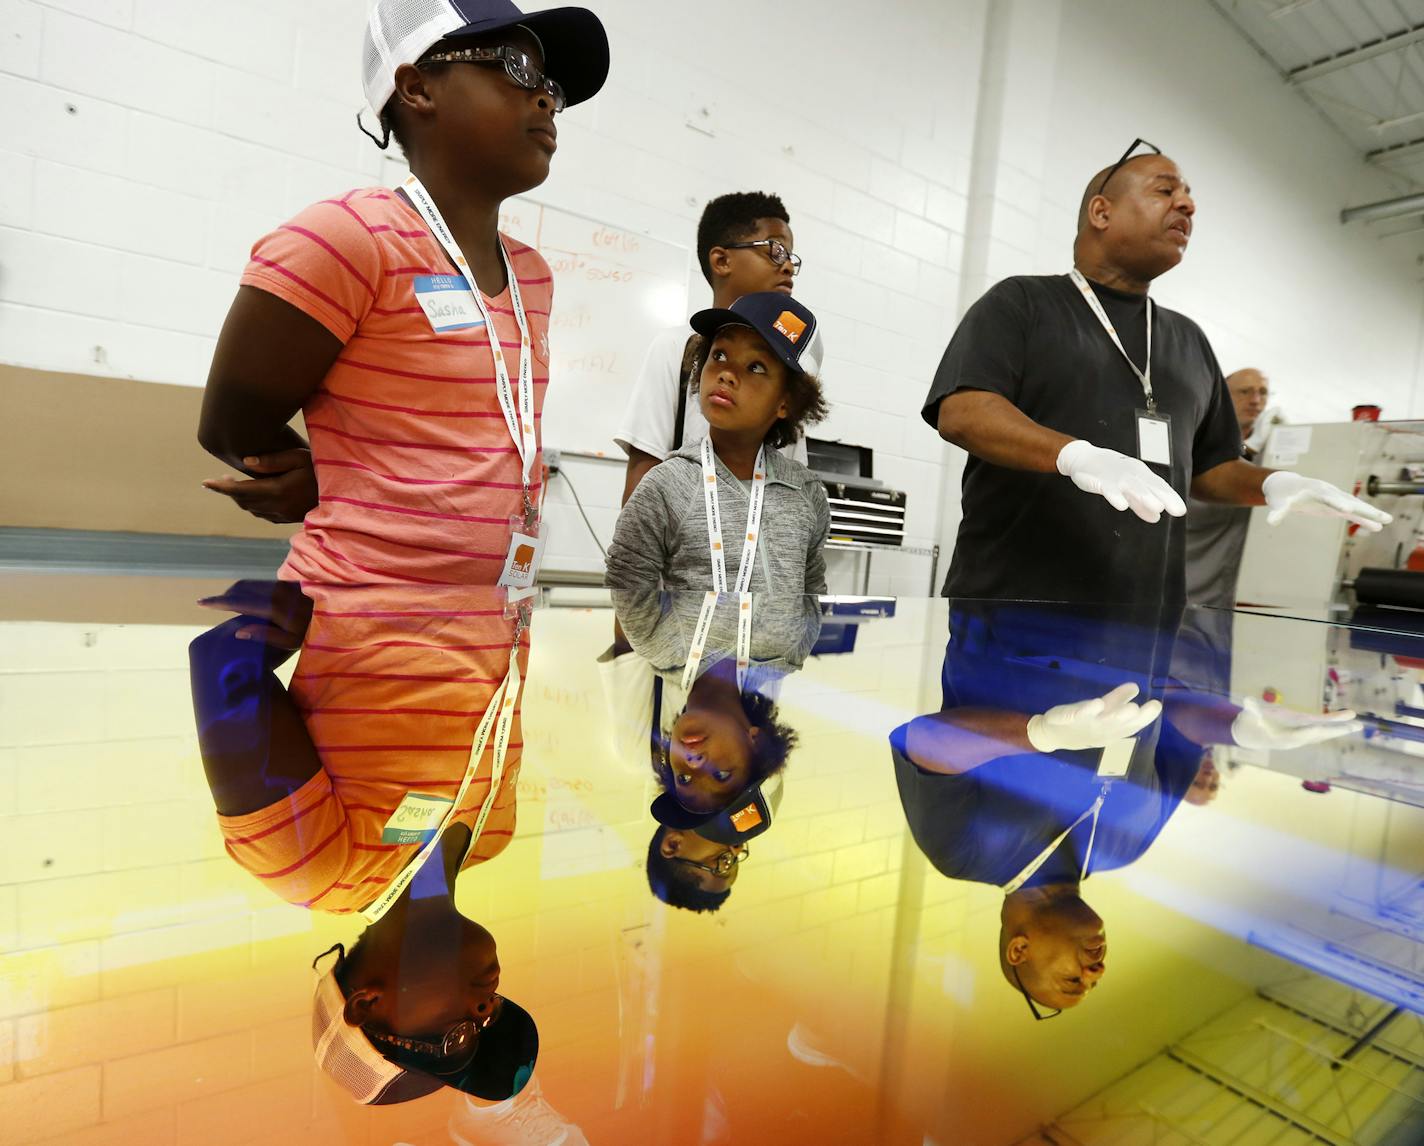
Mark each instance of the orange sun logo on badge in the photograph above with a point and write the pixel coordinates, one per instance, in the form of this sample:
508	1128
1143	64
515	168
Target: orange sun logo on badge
791	326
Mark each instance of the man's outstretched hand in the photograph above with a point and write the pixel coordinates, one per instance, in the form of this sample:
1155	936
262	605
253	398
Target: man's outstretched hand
1288	493
284	493
1121	481
1274	727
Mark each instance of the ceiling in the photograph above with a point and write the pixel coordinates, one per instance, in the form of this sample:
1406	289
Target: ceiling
1359	62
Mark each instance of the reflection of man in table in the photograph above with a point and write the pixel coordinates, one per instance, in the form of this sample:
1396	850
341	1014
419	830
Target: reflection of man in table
1049	762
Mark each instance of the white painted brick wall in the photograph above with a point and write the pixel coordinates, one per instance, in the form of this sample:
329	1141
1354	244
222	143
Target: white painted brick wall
151	141
148	142
1331	313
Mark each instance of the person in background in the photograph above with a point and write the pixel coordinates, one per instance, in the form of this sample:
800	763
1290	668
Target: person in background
694	865
744	246
1216	534
1251	395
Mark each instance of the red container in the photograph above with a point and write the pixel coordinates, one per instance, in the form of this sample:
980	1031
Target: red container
1365	414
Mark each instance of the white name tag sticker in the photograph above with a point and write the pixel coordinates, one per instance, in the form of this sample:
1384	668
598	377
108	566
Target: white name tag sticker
521	563
448	302
1154	439
416	820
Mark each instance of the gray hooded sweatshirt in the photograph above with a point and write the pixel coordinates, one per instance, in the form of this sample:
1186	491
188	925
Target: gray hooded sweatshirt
661	535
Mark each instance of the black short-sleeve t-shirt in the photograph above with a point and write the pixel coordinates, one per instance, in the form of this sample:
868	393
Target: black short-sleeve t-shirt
987	824
1029	536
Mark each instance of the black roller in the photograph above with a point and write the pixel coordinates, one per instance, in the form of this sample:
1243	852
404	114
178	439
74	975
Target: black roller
1399	588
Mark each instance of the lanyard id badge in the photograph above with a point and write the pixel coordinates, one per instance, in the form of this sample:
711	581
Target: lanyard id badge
1154	437
1117	758
521	562
424	825
717	550
1042	858
1143	376
517	405
713	506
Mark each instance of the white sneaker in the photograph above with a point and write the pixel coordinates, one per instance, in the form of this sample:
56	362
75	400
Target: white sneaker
527	1119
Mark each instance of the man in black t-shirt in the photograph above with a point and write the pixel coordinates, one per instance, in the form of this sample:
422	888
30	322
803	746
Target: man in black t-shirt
1081	377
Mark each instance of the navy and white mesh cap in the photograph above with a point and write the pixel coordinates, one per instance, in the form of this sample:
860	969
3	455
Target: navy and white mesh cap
508	1052
788	327
401	31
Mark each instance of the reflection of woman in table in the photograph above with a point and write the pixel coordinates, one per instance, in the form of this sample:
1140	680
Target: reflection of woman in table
348	793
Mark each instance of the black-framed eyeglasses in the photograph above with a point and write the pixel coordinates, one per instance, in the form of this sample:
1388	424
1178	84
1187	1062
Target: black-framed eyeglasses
775	250
1038	1015
1130	153
517	66
453	1053
724	863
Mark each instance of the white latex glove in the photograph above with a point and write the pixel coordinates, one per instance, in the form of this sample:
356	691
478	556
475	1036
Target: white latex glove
1261	725
1092	723
1262	427
1292	493
1124	482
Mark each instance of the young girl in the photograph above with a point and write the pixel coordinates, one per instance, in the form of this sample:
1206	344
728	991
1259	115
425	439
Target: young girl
757	388
408	331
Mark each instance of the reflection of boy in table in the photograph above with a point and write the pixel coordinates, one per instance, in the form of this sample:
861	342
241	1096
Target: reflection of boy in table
313	785
330	793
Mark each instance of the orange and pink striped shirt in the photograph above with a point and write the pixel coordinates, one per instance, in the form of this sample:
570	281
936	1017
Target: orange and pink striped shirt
417	474
391	681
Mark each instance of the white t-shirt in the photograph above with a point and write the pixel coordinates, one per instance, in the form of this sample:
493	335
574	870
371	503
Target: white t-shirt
648	418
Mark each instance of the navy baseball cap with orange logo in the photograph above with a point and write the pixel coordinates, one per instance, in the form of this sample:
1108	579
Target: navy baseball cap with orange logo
787	327
745	818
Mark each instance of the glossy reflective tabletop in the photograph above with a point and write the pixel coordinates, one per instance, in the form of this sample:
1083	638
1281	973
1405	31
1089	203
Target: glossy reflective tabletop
1254	973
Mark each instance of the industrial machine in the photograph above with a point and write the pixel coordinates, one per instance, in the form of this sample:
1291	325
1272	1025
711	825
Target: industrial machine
1327	570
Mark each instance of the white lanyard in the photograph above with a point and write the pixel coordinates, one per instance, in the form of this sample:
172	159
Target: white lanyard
714	519
501	706
699	639
1145	377
1042	858
719	565
518	408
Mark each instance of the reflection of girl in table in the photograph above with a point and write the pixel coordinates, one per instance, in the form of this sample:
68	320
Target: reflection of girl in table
713	736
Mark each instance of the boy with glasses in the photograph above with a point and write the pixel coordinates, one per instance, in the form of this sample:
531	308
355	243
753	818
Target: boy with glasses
744	246
411	334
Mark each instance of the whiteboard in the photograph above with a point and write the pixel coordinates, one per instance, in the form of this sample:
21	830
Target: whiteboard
614	290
